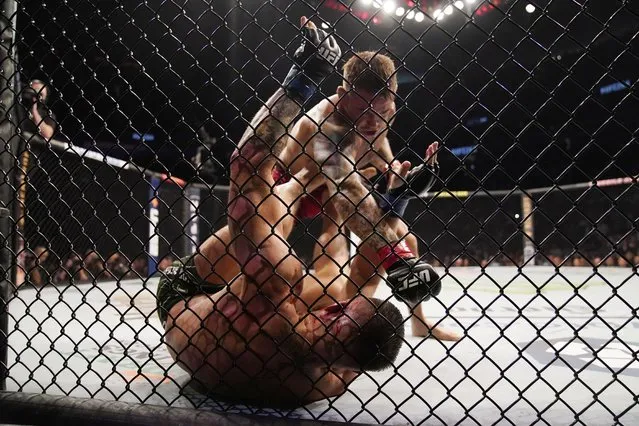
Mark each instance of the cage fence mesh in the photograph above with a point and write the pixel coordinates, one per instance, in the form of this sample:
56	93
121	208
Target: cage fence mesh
135	143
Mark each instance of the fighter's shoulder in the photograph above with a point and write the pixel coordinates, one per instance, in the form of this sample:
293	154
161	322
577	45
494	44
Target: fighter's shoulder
322	109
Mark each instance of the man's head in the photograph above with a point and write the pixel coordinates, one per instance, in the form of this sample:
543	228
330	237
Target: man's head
362	334
41	252
41	89
367	94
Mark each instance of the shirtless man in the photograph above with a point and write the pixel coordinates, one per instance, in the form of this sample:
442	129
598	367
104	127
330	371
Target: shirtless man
255	338
369	109
341	135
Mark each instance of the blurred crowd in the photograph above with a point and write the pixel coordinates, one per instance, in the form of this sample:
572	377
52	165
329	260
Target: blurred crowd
614	250
41	266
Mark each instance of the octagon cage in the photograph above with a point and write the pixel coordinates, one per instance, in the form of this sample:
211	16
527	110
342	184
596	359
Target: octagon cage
207	218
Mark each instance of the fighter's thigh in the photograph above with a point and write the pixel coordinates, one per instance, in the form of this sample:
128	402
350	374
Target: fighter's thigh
214	261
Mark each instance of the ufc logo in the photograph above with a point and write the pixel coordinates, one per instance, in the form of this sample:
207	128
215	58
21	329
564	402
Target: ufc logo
330	55
172	270
422	277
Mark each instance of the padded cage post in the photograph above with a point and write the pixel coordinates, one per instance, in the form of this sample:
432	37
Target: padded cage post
40	409
7	157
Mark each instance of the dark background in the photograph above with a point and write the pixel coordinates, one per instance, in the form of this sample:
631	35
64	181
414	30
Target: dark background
522	89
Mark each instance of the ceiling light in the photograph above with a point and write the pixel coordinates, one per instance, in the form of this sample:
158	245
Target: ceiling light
400	11
410	14
448	10
459	4
389	6
530	8
419	16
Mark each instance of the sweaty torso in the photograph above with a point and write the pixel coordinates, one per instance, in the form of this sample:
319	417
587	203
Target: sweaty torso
302	152
240	348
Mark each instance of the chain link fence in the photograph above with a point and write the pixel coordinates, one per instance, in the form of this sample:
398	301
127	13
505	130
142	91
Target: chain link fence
188	227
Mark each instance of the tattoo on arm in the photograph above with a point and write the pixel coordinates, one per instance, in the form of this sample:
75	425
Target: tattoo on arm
265	137
269	127
352	199
365	218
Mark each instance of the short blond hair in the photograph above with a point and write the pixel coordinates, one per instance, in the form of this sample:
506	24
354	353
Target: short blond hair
371	71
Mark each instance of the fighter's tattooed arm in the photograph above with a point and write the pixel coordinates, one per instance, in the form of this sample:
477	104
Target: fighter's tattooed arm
265	138
255	210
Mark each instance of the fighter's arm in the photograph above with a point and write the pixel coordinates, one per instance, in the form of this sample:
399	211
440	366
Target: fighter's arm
294	157
265	137
255	210
407	183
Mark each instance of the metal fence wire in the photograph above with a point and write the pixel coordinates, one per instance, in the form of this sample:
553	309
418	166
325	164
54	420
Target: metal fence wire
380	211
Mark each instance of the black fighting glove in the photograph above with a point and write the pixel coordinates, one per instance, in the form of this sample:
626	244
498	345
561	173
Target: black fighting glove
418	181
413	281
315	59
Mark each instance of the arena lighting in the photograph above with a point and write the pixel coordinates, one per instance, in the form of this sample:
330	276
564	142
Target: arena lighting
459	4
470	1
377	4
389	6
530	8
366	2
400	11
449	9
410	14
436	13
419	17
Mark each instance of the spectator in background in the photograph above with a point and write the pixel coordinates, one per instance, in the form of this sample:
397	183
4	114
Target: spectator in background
578	260
611	260
94	265
72	271
622	261
41	120
117	266
39	266
139	268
